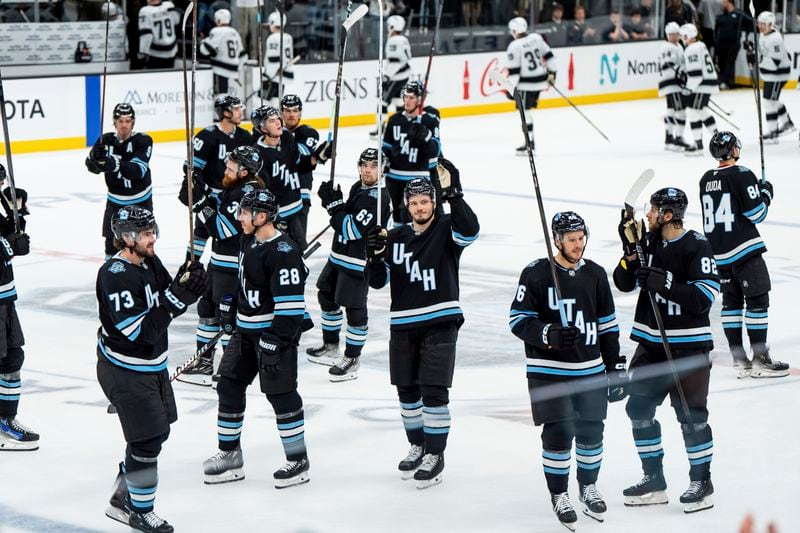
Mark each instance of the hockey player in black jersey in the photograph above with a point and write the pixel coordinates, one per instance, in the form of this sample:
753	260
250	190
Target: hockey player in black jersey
284	160
343	281
682	275
14	243
292	113
123	157
574	369
137	299
420	261
268	326
411	146
242	166
733	203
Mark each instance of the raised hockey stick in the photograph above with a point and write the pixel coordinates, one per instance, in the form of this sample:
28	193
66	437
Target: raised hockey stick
430	56
293	61
630	201
260	53
570	102
379	114
333	131
504	83
281	16
757	90
9	162
105	68
189	121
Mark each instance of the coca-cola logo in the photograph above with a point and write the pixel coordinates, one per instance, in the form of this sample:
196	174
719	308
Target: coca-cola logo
488	86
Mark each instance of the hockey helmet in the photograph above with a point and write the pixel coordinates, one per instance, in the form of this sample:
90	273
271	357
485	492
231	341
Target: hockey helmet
247	157
259	116
418	186
413	87
369	155
768	18
290	101
124	110
274	20
110	10
722	145
517	26
567	222
688	31
670	199
396	23
225	103
131	220
259	201
222	16
671	28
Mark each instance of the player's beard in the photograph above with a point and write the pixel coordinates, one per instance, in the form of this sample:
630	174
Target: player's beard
144	251
229	182
418	219
570	259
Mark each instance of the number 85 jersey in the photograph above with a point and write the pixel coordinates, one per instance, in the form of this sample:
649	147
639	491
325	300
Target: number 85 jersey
732	205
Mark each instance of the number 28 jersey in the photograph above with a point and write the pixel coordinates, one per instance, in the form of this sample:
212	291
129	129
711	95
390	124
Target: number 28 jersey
732	206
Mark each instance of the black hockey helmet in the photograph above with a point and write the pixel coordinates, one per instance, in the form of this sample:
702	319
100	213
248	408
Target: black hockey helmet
130	220
291	100
123	110
247	157
670	199
413	87
418	186
259	116
567	222
369	155
260	201
722	144
224	103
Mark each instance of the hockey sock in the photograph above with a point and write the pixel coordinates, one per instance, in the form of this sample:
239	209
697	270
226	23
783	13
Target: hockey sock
10	387
708	121
199	248
223	341
680	123
588	450
411	412
529	125
783	114
291	423
556	469
141	473
356	335
669	122
732	325
436	425
331	325
230	418
696	123
205	332
771	108
647	438
699	448
756	321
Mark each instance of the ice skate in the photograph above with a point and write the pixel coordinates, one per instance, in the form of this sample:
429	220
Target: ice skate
327	354
698	496
741	364
786	128
564	511
199	373
765	367
429	472
649	491
593	504
149	523
118	508
409	465
695	149
224	467
292	473
772	137
345	369
669	143
14	437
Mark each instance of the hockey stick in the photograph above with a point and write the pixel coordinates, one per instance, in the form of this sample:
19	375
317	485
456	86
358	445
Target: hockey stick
430	56
311	249
189	122
757	90
720	108
293	61
280	53
105	68
9	162
564	96
333	133
379	114
504	83
307	252
724	118
630	201
260	53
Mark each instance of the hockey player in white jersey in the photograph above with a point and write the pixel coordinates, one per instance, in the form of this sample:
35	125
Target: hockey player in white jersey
531	67
224	48
670	61
701	81
396	68
158	23
775	68
271	80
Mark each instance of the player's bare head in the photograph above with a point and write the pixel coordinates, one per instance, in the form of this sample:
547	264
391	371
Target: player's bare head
135	229
725	146
667	207
242	163
688	33
229	108
420	198
570	235
412	92
257	208
368	167
673	32
291	110
517	27
124	118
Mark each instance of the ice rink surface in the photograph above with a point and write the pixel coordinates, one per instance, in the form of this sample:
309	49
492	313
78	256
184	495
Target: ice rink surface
493	480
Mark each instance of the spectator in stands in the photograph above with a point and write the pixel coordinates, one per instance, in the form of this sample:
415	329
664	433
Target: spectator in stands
557	26
708	11
617	31
472	12
638	29
246	23
646	8
677	12
578	31
728	28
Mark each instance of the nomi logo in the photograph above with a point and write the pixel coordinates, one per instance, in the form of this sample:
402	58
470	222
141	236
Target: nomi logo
132	97
607	70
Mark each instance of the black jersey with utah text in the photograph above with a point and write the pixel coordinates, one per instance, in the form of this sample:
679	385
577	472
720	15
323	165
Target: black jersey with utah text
211	146
407	162
281	169
225	229
351	224
130	182
308	136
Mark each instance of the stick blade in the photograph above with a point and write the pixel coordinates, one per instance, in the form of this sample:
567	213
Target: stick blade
496	76
186	15
355	16
636	189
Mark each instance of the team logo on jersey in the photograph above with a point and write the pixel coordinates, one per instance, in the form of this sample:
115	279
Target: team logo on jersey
117	267
373	193
247	188
284	247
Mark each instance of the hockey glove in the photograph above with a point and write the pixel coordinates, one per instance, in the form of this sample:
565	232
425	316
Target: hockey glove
189	283
198	192
681	77
551	78
449	180
22	200
91	166
269	353
630	230
618	380
767	191
16	244
418	134
655	279
332	199
560	337
109	163
376	242
323	151
282	226
227	314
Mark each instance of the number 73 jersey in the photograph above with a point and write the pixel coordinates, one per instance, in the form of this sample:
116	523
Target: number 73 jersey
732	205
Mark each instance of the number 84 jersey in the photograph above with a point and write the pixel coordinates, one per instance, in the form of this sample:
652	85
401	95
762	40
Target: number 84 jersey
732	206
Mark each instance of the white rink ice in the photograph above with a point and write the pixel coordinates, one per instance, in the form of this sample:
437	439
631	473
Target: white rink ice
493	480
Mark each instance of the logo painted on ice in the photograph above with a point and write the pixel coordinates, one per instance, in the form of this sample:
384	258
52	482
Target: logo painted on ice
132	97
607	70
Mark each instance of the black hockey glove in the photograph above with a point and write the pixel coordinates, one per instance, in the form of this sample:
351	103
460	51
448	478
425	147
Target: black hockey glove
282	225
206	214
560	337
269	353
626	229
227	314
681	77
323	151
767	190
418	134
188	286
449	180
22	200
655	279
376	242
109	163
198	192
618	380
92	167
20	244
332	199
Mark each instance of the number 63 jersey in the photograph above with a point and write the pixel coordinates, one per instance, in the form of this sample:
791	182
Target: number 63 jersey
732	205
